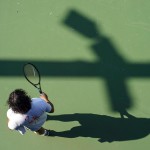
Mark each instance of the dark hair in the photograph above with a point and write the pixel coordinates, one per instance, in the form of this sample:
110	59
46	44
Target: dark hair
19	101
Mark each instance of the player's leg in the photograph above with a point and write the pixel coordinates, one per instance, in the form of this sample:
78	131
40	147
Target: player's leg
41	131
44	132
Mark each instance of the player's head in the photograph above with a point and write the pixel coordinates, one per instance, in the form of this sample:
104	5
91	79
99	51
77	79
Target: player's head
19	101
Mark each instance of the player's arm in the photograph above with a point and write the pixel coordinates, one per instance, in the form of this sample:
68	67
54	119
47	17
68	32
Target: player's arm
46	99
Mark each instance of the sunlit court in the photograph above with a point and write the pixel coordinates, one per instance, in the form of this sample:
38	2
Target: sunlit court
93	58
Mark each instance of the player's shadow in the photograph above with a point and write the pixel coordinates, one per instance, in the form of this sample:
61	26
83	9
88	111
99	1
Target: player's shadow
104	128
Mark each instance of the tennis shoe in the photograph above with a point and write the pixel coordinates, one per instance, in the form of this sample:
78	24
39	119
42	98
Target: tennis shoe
48	133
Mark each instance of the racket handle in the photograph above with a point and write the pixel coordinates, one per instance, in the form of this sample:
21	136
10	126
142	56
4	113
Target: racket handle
40	91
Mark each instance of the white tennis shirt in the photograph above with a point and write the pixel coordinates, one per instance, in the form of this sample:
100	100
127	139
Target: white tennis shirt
32	120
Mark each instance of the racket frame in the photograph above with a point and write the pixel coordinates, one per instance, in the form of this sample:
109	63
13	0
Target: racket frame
37	85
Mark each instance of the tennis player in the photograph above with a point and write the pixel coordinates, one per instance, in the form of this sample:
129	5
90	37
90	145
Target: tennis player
26	113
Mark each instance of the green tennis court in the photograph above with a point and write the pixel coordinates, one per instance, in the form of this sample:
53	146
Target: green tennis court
94	60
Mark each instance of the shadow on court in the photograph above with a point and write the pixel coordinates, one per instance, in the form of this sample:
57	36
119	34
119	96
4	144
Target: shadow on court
105	128
110	65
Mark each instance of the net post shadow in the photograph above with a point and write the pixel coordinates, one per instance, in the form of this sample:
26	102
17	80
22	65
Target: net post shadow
110	66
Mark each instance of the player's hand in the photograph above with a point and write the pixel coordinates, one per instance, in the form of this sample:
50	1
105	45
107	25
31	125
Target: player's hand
44	96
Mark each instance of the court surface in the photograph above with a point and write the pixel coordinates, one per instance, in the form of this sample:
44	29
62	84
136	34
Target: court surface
94	59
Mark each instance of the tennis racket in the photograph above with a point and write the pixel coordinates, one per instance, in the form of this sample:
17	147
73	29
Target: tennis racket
32	75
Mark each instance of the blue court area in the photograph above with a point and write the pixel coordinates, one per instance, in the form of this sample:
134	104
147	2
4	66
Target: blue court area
94	60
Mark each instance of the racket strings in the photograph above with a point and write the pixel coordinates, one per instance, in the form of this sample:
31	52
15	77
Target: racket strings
32	74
